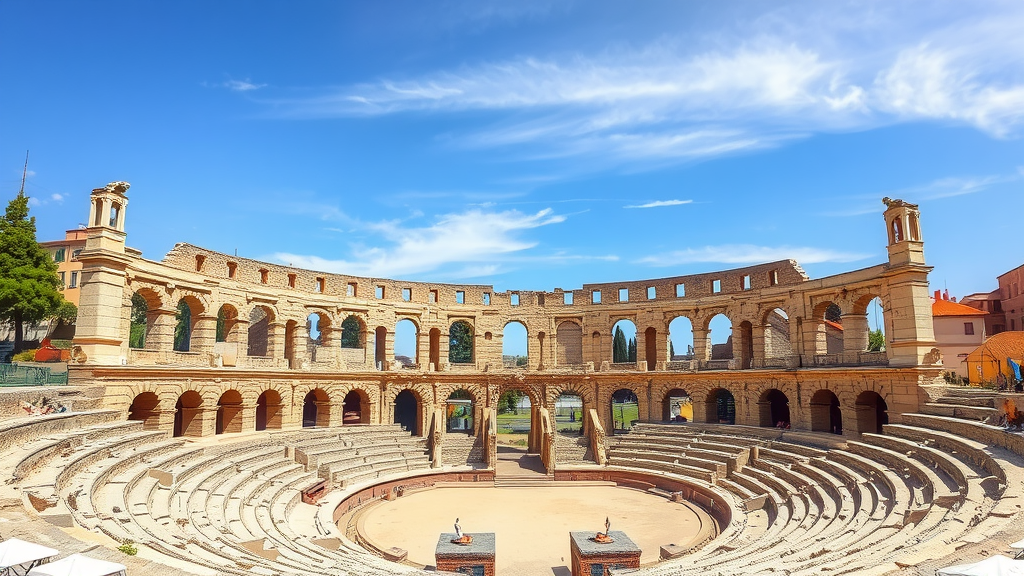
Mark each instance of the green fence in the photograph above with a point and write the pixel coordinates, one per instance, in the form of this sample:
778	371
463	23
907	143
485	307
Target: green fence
15	375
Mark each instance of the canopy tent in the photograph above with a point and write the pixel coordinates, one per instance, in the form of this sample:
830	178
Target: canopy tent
18	556
994	566
78	565
1020	549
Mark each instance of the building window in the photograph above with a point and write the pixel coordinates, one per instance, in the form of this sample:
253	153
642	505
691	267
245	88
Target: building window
407	294
74	280
63	283
746	282
652	292
716	286
291	280
680	290
595	297
351	290
567	298
232	267
433	297
264	275
773	277
378	292
487	298
997	306
460	297
74	255
623	294
513	299
58	255
540	299
199	262
319	286
969	328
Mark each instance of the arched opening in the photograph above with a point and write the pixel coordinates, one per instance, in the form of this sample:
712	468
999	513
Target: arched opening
541	356
568	344
290	333
915	227
625	410
227	321
145	305
777	345
514	346
407	343
407	411
460	343
316	409
115	211
774	409
145	408
721	407
268	411
872	412
259	331
515	417
720	337
353	340
875	312
651	347
624	342
380	342
188	419
229	413
459	412
569	413
896	233
680	339
316	326
186	316
677	406
830	329
435	347
826	414
356	408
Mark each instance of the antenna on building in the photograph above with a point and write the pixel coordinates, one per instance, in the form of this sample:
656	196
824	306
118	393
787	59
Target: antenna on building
24	174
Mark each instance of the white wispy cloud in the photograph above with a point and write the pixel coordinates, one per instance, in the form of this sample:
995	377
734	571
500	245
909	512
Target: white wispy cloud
57	197
242	85
949	187
749	254
467	244
660	203
765	82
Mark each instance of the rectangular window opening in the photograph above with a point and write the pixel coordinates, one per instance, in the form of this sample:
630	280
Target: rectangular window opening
264	275
567	298
433	297
200	259
652	292
513	299
773	277
58	256
746	282
460	297
232	268
680	290
623	294
595	297
291	280
968	328
378	292
74	280
716	286
351	290
487	298
407	294
319	285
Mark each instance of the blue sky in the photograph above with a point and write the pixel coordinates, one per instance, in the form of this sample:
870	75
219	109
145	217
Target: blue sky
530	145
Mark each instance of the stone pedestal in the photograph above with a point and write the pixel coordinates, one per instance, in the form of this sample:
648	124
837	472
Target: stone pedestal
476	558
592	559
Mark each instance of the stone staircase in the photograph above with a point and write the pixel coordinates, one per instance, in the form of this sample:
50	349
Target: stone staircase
977	404
462	450
573	449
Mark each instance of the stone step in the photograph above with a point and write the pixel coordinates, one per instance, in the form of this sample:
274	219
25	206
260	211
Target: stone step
981	402
967	412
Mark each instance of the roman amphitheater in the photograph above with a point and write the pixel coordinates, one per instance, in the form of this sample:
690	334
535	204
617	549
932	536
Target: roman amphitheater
231	416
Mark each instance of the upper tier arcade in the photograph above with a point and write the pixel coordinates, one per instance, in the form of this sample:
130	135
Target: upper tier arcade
203	308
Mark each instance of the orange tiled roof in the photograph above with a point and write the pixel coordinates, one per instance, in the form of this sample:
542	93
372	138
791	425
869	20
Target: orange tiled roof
947	308
1001	346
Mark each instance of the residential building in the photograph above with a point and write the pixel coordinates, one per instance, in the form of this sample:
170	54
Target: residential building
65	254
1004	305
959	330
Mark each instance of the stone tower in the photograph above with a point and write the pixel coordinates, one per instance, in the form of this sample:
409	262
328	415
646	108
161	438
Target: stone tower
99	335
913	338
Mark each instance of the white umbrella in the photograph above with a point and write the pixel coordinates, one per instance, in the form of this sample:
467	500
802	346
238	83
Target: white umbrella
15	552
78	565
994	566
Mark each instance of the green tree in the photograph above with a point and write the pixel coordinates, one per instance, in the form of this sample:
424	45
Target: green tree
29	285
509	401
183	328
876	340
137	325
350	329
671	350
620	351
460	343
632	350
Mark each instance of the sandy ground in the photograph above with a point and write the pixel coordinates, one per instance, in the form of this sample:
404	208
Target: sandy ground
531	524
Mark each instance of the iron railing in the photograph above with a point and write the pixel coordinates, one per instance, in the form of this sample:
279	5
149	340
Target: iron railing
17	375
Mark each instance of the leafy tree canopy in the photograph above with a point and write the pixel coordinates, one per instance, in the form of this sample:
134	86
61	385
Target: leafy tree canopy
460	343
876	341
29	285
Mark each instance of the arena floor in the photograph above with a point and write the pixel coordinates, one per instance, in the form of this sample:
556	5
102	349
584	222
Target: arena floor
531	524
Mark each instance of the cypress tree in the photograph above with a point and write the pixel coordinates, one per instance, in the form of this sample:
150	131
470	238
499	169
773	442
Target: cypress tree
632	350
620	351
29	285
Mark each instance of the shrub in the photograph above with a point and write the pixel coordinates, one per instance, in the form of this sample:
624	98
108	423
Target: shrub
128	547
25	356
